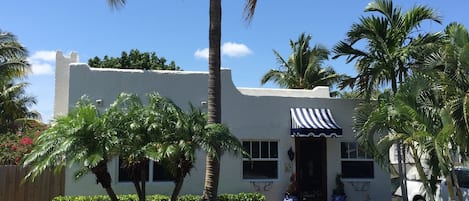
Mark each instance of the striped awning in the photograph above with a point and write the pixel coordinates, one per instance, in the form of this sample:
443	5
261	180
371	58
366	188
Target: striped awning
311	122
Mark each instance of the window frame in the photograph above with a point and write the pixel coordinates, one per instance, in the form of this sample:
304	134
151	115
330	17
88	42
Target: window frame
365	159
274	159
149	174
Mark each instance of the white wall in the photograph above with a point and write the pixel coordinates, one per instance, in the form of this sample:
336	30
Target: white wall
259	114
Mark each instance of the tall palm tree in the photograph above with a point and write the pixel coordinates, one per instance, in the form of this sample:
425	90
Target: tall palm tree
78	138
13	56
304	68
14	106
391	45
390	51
214	86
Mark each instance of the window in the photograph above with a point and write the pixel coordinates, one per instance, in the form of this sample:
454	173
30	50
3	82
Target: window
263	163
463	177
356	163
158	172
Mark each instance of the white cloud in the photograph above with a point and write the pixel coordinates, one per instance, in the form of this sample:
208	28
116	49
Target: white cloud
201	53
230	49
235	49
42	62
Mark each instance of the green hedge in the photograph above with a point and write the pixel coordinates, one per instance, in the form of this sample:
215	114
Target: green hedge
222	197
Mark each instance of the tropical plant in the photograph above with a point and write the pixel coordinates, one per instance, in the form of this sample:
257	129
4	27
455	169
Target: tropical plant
78	138
214	86
452	64
14	106
452	68
391	45
134	60
13	56
391	49
304	68
415	117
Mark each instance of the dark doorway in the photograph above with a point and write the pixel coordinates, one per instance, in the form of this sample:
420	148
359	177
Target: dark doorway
311	168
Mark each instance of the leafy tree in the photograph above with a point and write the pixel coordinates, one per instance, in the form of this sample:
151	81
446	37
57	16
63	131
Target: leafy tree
304	68
79	138
214	87
134	60
13	56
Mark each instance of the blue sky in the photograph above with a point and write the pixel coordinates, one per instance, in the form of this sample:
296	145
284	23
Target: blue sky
178	30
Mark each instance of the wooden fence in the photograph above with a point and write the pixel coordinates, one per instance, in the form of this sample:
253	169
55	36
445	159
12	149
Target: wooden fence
44	188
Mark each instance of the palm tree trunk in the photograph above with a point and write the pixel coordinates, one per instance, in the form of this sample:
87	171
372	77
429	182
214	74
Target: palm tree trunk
214	86
138	189
212	174
102	176
143	178
178	186
214	97
401	173
422	175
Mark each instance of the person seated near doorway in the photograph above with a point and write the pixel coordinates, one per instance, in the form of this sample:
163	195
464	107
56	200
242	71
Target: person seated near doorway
291	194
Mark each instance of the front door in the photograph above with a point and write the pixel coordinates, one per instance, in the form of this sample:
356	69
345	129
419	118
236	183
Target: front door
311	168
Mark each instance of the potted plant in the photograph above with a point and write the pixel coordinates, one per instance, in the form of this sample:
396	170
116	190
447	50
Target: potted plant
338	194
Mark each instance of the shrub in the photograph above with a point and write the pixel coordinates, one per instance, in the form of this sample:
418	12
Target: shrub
133	197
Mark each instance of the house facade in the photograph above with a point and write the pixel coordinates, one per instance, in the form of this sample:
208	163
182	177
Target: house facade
305	133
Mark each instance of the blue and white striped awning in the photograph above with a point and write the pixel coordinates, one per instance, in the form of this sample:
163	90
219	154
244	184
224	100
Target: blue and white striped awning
310	122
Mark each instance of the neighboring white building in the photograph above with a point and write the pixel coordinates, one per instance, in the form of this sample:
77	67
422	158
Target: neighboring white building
269	122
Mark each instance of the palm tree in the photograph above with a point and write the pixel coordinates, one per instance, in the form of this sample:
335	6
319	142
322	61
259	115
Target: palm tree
452	64
452	67
14	106
177	152
390	51
391	45
415	117
78	138
214	86
13	56
304	67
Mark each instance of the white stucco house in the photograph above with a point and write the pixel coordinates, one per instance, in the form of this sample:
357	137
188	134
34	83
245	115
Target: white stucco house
305	132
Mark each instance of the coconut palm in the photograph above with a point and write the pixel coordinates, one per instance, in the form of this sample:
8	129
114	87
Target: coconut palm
80	138
13	56
214	85
14	106
304	68
391	45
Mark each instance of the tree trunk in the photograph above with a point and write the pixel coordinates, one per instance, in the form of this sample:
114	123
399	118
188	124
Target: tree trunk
423	176
212	173
401	173
214	96
179	181
214	86
104	178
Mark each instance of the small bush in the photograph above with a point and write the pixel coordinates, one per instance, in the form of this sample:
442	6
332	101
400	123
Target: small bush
222	197
190	198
